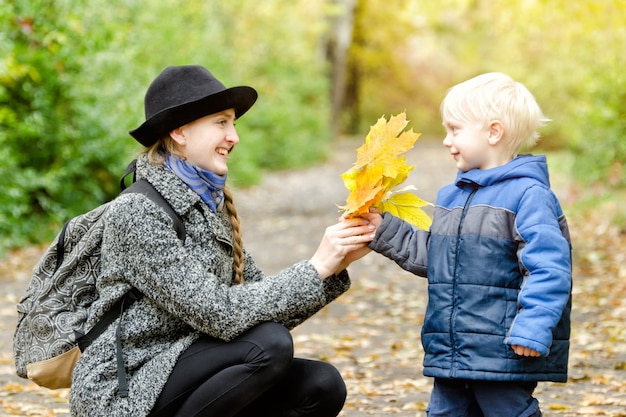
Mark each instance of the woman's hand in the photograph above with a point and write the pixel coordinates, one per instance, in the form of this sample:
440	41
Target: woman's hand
342	244
351	257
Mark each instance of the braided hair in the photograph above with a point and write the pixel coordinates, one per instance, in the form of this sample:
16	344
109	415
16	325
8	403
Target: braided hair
238	256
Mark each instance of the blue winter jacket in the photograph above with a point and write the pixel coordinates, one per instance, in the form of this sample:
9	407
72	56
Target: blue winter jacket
498	262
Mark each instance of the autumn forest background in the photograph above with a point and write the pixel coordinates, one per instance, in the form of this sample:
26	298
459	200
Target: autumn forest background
73	74
72	78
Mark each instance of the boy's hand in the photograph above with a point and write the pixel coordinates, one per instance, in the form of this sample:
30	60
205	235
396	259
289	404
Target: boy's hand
374	217
524	351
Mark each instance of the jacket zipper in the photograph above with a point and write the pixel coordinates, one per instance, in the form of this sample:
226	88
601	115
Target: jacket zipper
455	282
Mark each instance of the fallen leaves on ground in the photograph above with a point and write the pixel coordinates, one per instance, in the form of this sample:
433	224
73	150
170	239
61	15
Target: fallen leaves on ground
372	334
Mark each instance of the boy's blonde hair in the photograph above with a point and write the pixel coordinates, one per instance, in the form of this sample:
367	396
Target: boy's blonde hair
496	96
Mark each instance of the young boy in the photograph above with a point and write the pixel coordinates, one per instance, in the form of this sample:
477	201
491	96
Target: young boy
497	258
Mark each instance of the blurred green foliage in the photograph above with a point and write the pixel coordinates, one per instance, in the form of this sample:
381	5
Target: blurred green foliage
569	54
72	78
73	74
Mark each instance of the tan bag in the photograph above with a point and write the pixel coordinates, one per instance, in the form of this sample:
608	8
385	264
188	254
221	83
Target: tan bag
55	372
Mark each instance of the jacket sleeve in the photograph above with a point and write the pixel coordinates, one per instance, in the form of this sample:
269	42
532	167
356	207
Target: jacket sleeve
141	246
545	259
398	241
332	287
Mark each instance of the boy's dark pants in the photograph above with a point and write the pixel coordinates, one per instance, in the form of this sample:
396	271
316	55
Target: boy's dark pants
465	398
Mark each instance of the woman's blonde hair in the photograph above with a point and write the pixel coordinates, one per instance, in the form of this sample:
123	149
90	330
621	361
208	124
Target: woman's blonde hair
496	96
156	155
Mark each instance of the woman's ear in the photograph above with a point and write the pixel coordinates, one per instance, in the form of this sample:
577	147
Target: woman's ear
496	132
178	136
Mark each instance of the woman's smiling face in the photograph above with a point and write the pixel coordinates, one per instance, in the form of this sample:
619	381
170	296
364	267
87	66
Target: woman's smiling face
207	142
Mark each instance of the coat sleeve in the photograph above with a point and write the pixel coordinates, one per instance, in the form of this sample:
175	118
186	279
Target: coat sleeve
332	288
545	258
398	241
141	246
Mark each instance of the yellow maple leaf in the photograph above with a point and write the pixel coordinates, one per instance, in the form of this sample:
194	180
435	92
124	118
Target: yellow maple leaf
380	166
407	206
385	141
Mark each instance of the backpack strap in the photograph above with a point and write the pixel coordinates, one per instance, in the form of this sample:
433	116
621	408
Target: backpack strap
61	247
144	187
131	168
84	340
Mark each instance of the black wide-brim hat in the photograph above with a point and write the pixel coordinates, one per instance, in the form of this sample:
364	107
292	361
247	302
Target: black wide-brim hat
182	94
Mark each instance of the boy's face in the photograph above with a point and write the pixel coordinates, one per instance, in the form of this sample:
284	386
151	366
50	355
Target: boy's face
473	145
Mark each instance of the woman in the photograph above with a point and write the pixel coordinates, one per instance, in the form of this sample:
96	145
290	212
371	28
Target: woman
210	336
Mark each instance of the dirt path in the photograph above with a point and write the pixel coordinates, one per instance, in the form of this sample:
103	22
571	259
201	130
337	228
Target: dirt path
372	333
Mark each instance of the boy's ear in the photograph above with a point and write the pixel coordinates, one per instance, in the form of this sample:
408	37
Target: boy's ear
496	132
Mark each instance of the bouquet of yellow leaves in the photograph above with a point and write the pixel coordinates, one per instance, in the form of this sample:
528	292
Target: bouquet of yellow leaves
380	168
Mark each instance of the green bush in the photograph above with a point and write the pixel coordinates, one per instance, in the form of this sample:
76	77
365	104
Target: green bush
40	133
599	140
72	79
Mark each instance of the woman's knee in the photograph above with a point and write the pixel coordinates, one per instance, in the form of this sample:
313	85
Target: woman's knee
330	380
274	346
328	388
275	339
322	379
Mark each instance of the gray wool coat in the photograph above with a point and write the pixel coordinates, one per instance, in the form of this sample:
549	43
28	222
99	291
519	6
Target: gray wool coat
188	291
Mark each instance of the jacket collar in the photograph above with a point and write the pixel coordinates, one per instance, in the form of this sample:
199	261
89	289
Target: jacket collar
522	166
173	189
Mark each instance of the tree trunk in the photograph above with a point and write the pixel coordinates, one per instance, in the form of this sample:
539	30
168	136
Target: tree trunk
337	47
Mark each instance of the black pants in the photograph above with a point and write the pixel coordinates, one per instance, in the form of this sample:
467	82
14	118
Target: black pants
253	375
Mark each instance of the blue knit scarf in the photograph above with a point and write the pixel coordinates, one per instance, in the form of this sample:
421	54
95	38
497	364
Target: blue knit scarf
207	184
